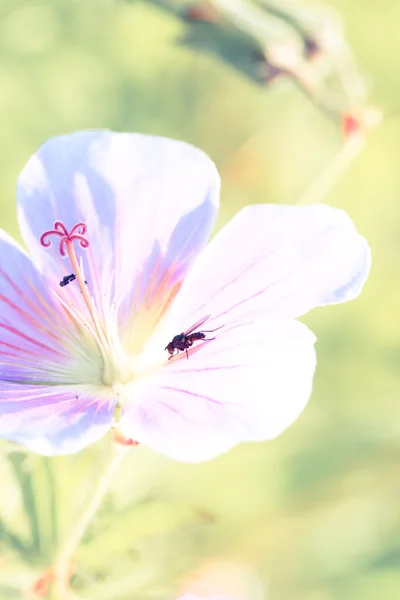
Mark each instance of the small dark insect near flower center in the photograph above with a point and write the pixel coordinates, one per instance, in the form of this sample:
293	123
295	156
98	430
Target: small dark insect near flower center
183	341
67	279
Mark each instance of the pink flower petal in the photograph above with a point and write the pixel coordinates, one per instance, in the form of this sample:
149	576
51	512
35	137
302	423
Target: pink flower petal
38	345
53	420
148	203
276	260
38	342
249	383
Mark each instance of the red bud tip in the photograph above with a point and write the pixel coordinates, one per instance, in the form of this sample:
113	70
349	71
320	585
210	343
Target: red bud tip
119	438
202	11
41	587
351	125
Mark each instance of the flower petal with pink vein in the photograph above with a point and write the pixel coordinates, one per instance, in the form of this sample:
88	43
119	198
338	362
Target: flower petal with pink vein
38	343
276	260
53	420
249	383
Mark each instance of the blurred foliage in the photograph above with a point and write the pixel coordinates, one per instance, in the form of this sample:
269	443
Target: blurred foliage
315	512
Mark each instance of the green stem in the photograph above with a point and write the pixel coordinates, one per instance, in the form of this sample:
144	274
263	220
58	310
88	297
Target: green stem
335	168
63	562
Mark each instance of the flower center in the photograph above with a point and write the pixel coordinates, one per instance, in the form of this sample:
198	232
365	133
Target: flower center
116	367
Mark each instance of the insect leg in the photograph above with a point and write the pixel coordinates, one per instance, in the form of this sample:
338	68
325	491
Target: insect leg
211	330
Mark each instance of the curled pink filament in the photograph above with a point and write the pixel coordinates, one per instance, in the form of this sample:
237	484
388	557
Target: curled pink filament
77	233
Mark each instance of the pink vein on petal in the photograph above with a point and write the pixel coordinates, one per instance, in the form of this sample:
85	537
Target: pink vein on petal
28	317
34	306
231	281
29	339
187	392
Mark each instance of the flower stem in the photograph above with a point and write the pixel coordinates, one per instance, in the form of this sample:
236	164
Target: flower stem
63	562
335	168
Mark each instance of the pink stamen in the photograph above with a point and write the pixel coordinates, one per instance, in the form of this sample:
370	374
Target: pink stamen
77	233
66	248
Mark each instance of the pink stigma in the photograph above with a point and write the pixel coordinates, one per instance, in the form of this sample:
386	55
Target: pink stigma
77	233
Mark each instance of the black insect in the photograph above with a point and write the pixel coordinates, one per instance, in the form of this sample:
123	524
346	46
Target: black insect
67	279
184	340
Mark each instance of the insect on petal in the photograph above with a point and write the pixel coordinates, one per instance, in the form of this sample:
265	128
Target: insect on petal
250	383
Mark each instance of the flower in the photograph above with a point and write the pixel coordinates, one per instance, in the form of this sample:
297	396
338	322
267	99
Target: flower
116	226
221	579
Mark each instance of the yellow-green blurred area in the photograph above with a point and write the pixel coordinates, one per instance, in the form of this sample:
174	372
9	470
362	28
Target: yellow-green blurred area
314	514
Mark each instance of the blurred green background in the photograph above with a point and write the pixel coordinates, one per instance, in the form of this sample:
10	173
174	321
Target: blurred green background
315	513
